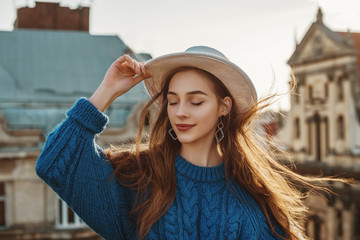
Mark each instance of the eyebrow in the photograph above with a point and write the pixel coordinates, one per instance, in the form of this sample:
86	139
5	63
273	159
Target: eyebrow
189	93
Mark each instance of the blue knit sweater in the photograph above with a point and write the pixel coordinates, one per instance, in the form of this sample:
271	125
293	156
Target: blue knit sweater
204	206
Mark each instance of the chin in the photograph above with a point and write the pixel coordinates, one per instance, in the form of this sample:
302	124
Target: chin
185	140
192	138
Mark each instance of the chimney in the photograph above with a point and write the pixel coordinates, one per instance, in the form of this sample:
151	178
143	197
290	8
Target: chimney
46	15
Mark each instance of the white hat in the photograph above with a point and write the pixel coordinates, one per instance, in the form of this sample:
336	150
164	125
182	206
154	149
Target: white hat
211	60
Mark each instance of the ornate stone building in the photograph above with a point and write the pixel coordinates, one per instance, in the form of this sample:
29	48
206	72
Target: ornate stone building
325	125
42	73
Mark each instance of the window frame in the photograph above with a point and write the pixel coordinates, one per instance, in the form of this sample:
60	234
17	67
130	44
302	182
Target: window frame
64	222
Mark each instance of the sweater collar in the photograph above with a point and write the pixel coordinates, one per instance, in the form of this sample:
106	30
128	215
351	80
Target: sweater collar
204	174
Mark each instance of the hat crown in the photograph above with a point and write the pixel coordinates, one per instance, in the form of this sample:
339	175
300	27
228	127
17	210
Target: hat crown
206	50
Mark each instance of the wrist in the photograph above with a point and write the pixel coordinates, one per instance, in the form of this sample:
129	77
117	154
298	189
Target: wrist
102	97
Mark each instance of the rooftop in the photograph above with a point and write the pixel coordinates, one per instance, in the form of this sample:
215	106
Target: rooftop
43	72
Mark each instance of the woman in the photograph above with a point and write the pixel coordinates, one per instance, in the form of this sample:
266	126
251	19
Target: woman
202	175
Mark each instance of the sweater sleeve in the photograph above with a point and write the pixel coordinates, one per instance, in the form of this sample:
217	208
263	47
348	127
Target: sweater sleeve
74	166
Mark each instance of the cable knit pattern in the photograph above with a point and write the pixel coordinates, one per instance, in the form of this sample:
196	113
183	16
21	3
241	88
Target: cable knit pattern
204	206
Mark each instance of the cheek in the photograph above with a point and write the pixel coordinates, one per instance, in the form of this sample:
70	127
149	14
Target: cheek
171	113
207	114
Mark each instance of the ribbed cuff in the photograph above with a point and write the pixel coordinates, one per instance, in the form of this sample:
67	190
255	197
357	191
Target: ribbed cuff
85	113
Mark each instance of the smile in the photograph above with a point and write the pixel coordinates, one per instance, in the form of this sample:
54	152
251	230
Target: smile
184	127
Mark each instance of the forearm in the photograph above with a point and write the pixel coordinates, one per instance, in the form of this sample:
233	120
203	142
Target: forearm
123	74
102	97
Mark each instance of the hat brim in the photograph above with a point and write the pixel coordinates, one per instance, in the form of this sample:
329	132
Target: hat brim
234	78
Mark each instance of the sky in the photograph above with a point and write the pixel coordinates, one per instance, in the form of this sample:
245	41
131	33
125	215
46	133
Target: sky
258	35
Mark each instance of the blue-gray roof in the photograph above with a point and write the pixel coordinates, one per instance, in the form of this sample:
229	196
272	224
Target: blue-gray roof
43	72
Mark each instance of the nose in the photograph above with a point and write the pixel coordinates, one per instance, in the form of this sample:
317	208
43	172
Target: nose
181	111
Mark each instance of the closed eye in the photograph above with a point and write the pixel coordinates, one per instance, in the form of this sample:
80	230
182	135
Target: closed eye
172	103
197	104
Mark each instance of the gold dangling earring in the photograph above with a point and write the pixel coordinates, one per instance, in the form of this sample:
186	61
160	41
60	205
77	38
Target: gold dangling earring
220	131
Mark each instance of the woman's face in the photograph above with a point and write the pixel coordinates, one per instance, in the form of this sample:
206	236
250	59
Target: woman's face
193	108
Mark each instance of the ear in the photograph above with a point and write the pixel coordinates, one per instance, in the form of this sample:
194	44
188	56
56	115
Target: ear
225	106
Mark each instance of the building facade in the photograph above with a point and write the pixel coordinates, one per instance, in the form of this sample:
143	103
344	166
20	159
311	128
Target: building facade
324	123
42	73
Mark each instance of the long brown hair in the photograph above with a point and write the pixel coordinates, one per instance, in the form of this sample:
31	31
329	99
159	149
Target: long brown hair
150	170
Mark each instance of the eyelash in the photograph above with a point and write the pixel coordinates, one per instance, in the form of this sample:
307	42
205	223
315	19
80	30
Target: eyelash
195	104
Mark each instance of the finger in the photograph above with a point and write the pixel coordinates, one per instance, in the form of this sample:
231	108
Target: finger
130	61
138	78
137	68
148	73
127	59
122	65
123	58
142	68
133	65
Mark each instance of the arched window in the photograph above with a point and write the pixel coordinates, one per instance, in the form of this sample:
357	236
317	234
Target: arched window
297	127
340	127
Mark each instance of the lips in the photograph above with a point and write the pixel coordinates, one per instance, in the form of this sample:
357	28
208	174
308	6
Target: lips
184	127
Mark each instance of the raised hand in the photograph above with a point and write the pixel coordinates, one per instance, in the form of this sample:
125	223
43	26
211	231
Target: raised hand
122	75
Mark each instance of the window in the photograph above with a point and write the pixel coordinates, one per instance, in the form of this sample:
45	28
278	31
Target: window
340	90
340	127
65	217
297	128
310	96
326	122
356	223
2	205
315	230
326	90
339	223
310	146
297	95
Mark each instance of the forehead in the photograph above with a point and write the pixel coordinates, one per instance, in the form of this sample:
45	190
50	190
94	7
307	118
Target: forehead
190	80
